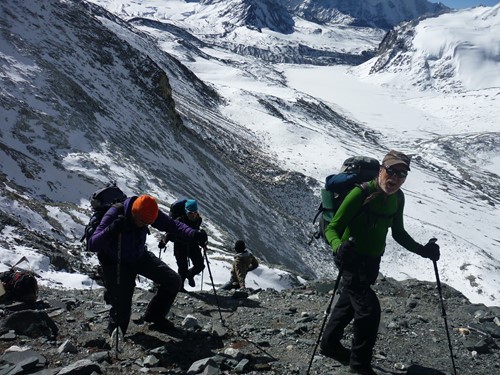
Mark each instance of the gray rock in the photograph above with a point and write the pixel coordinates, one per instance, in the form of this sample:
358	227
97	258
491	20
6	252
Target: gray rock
211	370
200	365
190	321
19	356
242	366
30	323
151	361
81	367
67	347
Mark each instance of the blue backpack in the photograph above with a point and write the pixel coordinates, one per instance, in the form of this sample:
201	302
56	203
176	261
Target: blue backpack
178	208
355	171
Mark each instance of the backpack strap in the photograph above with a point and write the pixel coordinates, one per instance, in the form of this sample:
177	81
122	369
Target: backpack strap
366	190
120	206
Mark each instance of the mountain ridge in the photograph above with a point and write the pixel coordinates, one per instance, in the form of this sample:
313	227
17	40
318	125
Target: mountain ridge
382	14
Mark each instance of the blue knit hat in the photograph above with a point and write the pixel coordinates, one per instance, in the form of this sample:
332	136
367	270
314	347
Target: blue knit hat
191	205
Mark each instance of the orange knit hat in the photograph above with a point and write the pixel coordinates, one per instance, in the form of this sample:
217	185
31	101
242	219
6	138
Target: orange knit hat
145	208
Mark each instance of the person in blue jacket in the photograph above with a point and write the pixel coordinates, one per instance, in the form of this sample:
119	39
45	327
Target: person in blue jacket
185	251
120	242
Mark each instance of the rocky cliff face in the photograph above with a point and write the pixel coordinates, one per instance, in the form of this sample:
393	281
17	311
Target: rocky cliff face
261	331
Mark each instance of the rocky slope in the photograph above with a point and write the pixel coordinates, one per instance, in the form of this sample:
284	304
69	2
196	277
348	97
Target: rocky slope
261	331
154	128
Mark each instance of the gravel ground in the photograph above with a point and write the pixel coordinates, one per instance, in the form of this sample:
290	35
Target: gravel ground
263	332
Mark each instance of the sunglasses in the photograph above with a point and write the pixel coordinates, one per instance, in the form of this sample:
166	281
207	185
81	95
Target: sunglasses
399	173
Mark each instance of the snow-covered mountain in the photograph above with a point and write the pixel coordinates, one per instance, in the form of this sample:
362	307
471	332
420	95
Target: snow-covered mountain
467	61
184	98
374	13
257	14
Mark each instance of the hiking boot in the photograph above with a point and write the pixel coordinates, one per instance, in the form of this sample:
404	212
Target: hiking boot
337	352
191	282
160	324
362	370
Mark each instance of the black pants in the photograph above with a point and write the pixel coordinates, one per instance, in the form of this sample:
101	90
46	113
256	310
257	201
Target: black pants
185	253
359	302
120	296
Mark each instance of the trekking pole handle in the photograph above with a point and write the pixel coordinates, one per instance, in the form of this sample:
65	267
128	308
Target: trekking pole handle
434	262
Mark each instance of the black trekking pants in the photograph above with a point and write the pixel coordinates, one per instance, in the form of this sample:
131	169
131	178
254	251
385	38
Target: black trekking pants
359	302
120	297
185	253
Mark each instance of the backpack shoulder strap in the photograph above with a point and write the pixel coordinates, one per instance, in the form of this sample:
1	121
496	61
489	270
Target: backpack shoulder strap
400	196
120	207
367	191
365	188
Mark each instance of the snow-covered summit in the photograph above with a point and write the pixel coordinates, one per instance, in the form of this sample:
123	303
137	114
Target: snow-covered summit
374	13
455	52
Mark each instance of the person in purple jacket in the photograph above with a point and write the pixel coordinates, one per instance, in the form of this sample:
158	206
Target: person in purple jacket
120	242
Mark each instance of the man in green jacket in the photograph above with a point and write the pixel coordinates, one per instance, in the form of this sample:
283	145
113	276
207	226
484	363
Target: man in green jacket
357	235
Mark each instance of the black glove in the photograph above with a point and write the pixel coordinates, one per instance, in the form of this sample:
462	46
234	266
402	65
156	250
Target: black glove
345	253
163	242
430	250
117	225
201	237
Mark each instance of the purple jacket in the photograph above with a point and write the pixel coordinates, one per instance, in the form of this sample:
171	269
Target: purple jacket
133	238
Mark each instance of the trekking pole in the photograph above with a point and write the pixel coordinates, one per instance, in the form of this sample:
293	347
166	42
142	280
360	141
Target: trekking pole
327	313
201	285
23	259
90	293
443	314
212	280
118	266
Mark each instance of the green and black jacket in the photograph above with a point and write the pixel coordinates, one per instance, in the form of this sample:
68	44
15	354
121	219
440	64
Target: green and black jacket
367	218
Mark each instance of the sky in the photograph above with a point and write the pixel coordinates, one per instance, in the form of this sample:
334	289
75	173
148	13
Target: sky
402	113
458	4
